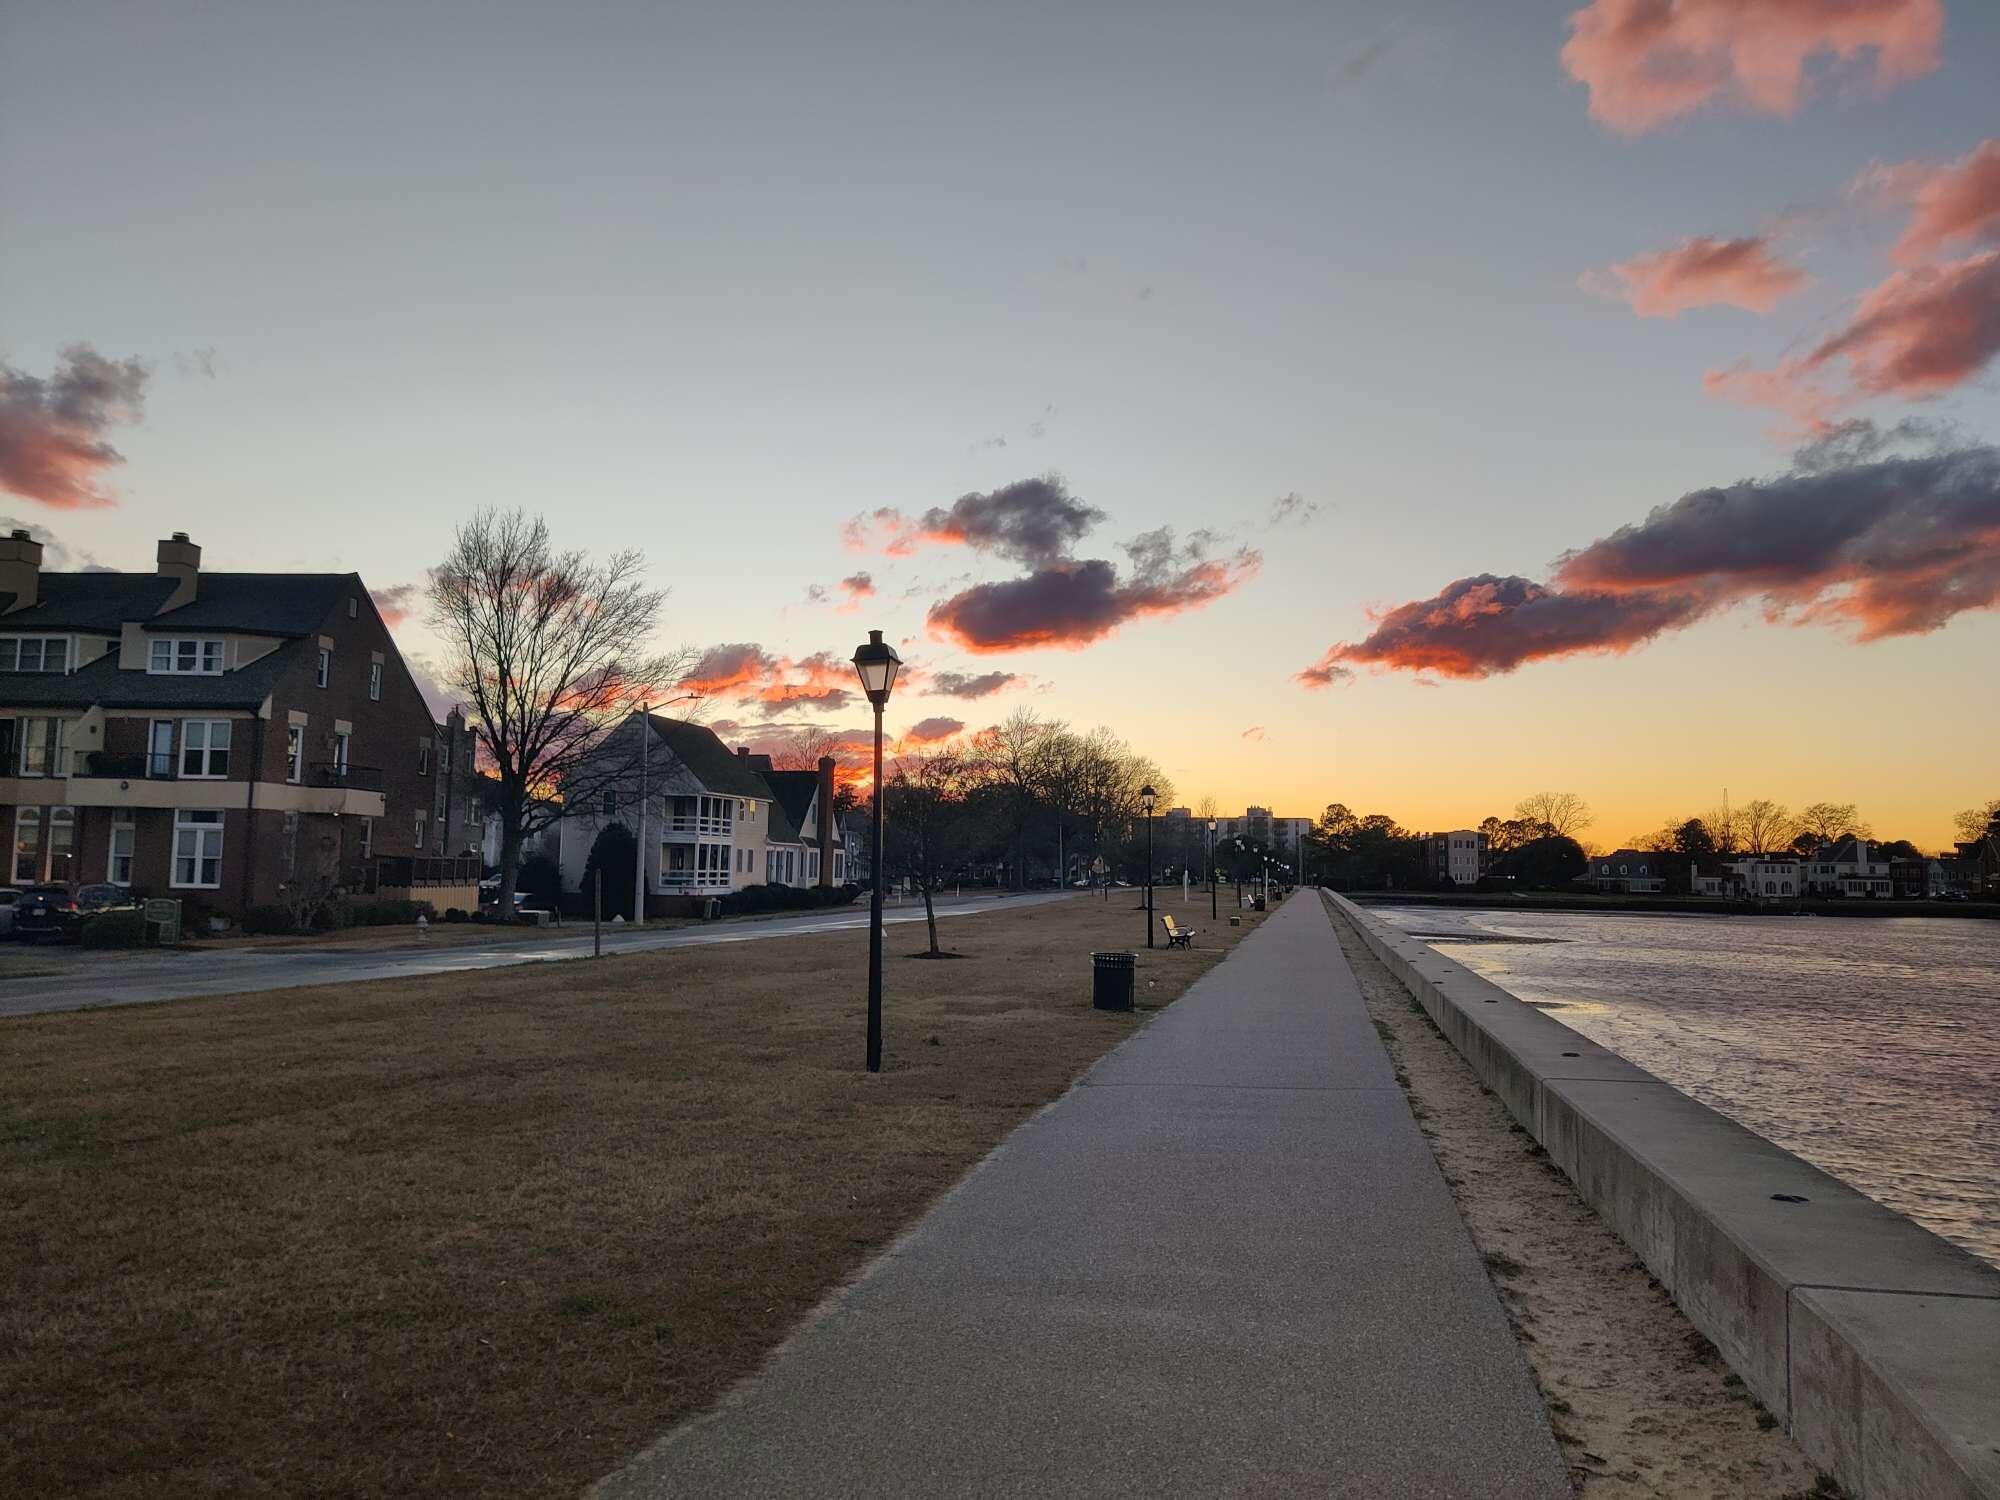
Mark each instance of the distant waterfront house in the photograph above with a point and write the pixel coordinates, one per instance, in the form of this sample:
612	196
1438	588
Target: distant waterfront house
1762	877
1979	864
1627	872
1918	879
1849	868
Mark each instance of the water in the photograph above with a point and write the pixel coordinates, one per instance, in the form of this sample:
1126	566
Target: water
1868	1046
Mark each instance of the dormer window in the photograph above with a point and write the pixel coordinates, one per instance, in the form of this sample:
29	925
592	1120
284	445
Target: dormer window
34	653
185	657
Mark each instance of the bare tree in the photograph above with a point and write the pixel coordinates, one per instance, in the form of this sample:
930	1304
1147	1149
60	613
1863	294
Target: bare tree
805	746
929	822
551	650
1765	825
1555	815
1972	824
1829	822
1725	828
312	880
1012	748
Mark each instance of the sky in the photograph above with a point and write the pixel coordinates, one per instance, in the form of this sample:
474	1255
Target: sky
1269	383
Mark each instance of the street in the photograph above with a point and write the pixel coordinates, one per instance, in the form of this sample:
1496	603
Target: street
90	981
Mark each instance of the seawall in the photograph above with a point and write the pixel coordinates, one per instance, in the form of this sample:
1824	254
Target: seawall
1876	1342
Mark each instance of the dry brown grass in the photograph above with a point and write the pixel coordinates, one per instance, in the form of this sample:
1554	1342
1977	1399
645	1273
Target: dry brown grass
491	1233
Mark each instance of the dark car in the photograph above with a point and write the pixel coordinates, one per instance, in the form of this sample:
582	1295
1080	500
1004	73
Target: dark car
46	911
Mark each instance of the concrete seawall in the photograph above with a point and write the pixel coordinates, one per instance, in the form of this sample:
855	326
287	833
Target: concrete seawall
1876	1342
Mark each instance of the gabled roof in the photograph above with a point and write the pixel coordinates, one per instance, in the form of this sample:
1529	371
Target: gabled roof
99	683
794	791
707	759
1846	852
781	829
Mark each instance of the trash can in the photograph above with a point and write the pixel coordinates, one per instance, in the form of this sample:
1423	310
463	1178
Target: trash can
1256	903
711	910
1111	980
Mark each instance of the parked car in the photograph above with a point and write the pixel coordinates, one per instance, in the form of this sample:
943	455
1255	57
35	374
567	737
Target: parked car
46	911
8	896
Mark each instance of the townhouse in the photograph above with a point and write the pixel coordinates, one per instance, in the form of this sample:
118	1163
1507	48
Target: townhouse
203	735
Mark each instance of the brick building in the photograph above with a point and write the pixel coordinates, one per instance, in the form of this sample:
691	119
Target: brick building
212	736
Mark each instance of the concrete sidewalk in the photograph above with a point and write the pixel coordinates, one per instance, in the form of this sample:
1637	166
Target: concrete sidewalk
1224	1264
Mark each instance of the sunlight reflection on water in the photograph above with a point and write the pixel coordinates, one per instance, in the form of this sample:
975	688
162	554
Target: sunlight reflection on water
1869	1046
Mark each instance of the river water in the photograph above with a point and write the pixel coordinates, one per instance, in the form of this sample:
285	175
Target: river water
1868	1046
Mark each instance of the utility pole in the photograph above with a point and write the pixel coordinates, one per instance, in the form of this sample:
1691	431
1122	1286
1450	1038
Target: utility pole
639	853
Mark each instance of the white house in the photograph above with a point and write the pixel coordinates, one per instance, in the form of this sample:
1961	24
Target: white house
805	835
1849	868
1757	877
1635	871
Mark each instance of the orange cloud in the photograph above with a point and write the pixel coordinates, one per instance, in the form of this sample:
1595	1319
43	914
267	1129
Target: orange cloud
1707	273
1255	733
1646	62
52	445
1894	547
746	673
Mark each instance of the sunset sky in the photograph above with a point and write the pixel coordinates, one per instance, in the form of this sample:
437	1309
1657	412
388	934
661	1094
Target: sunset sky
1267	382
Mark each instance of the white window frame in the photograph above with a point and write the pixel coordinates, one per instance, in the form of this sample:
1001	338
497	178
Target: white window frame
113	853
295	753
184	656
366	843
342	743
14	647
199	848
48	743
374	682
421	831
423	757
324	670
207	749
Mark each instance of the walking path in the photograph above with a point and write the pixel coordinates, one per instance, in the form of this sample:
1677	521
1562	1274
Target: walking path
83	980
1224	1264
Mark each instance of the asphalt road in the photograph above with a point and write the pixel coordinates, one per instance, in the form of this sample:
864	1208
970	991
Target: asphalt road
86	981
1224	1264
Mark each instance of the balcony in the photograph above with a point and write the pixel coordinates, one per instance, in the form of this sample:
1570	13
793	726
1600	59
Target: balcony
354	778
114	766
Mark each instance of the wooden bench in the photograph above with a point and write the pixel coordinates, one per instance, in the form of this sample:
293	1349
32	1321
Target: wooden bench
1177	935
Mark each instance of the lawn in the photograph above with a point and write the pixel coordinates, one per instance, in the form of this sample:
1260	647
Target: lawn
491	1233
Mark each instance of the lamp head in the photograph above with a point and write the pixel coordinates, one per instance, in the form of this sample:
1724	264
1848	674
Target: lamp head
1147	797
875	662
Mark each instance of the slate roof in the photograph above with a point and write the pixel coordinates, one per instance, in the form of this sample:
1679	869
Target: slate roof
99	603
781	829
261	603
100	683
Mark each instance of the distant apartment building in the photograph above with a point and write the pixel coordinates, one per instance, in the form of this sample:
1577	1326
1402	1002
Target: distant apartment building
211	736
1280	835
1458	856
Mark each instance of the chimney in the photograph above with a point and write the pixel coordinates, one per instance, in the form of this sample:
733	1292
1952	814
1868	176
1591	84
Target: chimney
180	560
743	751
826	820
21	569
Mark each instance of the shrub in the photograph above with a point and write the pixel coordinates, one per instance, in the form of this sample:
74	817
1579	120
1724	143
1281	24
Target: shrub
541	878
617	855
385	913
454	914
114	929
265	921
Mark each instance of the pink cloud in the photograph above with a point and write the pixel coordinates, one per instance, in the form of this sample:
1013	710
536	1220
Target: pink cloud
1951	206
53	448
1255	733
395	603
1922	331
1646	62
1708	273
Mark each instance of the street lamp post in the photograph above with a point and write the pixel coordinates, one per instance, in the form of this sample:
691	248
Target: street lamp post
1147	797
1213	915
876	663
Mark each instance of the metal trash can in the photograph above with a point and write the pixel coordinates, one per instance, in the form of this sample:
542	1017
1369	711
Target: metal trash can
1111	980
1256	903
711	910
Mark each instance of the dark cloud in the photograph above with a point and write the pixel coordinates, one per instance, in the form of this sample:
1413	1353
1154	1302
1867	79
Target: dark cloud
1898	546
395	602
981	685
52	445
1291	507
931	731
1032	521
1072	603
